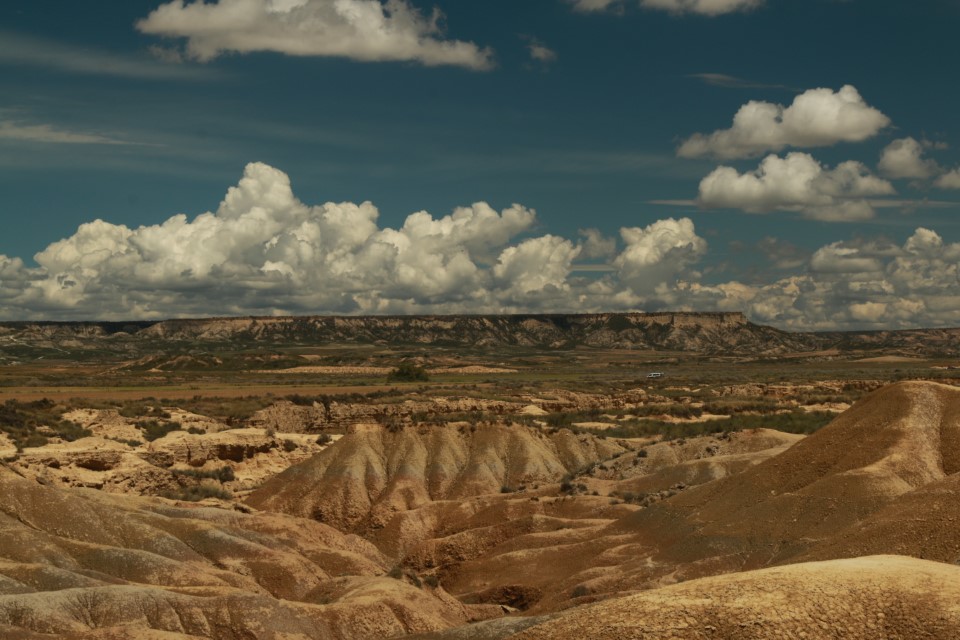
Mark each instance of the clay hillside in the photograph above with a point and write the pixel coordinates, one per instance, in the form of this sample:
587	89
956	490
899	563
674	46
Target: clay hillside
492	529
707	333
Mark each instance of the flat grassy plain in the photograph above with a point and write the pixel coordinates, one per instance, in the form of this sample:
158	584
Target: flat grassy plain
241	373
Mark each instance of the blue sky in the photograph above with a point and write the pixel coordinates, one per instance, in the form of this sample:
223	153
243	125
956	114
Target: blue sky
614	117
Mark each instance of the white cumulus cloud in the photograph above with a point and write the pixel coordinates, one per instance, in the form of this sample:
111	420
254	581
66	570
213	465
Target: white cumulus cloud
796	182
903	158
263	251
949	180
535	266
657	252
363	30
816	118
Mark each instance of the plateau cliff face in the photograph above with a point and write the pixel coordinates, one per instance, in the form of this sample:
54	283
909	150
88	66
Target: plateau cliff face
705	333
682	331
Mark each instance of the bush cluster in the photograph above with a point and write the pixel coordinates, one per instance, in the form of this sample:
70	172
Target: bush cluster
154	429
408	372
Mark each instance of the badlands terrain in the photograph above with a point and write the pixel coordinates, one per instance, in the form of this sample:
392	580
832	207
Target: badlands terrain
477	478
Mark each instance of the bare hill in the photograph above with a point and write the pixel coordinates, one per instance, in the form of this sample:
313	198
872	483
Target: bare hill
895	449
373	473
85	564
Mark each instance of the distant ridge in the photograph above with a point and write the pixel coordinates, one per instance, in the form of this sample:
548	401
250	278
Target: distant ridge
713	333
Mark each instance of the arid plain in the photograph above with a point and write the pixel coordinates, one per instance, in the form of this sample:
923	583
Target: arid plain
477	478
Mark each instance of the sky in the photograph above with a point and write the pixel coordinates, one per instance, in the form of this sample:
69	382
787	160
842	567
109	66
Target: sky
796	160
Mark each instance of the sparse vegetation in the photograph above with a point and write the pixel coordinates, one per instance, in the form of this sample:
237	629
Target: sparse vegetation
221	475
31	424
195	493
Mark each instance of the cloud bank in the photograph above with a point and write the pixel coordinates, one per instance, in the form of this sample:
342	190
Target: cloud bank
362	30
264	252
816	118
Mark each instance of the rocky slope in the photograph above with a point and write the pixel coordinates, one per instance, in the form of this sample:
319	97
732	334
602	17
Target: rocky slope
842	491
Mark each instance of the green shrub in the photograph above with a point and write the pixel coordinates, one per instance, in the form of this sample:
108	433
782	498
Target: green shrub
223	474
152	429
408	372
558	420
579	591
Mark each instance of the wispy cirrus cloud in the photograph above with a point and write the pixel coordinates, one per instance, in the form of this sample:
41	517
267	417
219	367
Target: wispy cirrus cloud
47	133
22	50
733	82
696	7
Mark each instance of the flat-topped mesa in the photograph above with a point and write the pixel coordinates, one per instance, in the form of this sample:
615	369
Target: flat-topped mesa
709	332
682	319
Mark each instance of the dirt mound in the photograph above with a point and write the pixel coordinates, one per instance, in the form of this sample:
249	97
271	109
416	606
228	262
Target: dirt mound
864	598
372	474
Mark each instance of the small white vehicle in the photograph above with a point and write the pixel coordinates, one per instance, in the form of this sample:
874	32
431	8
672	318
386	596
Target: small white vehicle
655	374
